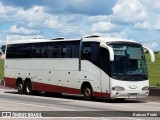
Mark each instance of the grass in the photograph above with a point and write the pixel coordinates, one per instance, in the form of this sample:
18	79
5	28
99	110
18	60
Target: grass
153	70
1	69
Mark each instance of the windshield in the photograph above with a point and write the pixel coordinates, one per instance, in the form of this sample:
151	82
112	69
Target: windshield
129	62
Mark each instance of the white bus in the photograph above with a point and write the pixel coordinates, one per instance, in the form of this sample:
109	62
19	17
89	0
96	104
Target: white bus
92	66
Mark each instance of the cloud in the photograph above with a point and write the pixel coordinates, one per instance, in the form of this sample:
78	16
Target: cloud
88	7
102	27
36	13
129	11
156	25
68	6
52	22
142	25
22	37
6	9
7	13
32	17
120	34
152	45
152	5
22	30
99	18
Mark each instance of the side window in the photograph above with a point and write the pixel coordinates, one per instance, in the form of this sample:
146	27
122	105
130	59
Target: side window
10	51
18	51
39	50
68	49
87	52
25	50
50	50
75	49
90	51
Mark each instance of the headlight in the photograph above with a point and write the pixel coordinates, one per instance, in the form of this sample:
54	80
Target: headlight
146	88
118	88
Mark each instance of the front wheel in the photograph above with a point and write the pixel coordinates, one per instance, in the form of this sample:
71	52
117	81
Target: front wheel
28	88
87	92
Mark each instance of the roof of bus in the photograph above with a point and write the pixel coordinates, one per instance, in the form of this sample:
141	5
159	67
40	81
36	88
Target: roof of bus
108	39
94	39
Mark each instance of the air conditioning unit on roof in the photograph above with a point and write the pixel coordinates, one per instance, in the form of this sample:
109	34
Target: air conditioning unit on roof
58	38
91	36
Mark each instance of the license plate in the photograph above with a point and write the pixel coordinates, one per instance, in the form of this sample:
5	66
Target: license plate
132	95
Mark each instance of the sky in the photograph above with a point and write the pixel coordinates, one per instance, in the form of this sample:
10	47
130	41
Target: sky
137	20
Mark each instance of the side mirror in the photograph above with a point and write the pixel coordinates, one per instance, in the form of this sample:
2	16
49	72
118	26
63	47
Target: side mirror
152	56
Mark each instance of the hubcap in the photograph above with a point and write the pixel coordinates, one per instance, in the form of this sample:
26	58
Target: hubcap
87	92
20	87
27	89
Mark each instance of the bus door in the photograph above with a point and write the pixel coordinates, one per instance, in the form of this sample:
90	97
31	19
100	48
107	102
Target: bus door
105	70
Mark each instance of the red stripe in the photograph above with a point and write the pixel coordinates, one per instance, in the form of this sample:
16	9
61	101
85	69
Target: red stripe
54	88
11	82
99	94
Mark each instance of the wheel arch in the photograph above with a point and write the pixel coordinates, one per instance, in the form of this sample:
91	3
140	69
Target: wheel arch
84	84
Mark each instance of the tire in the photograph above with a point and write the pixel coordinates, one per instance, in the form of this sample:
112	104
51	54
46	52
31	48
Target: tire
28	88
20	87
87	92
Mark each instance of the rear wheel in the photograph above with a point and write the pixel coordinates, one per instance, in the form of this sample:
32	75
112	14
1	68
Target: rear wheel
28	88
88	92
20	87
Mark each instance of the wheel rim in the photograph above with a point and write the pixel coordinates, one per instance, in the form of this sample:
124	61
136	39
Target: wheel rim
87	92
20	87
28	88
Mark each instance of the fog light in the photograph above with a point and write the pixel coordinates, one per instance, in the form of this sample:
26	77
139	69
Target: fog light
118	88
146	88
117	94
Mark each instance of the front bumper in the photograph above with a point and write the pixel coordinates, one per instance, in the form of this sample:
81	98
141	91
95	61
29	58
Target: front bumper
129	94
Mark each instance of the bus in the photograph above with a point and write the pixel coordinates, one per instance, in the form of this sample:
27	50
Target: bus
93	66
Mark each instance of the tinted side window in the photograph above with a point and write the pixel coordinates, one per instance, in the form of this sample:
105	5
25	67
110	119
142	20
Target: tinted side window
19	51
90	51
39	50
10	50
68	49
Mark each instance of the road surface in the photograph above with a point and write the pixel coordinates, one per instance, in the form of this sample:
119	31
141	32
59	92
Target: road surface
74	107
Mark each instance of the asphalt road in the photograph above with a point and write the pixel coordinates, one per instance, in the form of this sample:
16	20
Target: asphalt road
74	107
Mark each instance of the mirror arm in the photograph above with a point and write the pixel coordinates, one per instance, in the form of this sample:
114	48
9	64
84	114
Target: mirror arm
110	49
